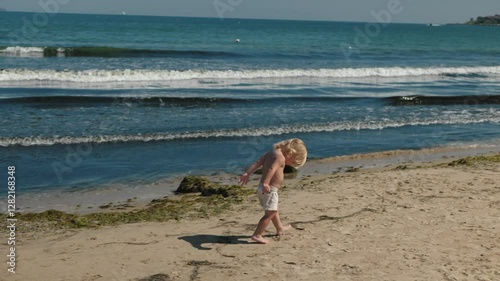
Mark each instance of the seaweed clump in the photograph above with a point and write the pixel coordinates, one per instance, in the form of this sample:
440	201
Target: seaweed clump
191	184
213	199
473	160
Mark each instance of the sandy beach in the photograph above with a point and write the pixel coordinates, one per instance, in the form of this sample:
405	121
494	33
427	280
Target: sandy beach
415	221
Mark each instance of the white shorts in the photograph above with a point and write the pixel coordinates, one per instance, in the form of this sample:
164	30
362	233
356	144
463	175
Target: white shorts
268	201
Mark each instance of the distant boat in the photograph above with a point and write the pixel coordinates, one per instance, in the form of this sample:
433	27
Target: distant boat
123	13
434	24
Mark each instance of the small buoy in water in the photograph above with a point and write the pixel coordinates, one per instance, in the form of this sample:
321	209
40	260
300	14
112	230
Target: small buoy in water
237	41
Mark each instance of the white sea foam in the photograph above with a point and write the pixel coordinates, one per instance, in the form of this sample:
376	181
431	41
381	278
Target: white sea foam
248	132
144	75
23	51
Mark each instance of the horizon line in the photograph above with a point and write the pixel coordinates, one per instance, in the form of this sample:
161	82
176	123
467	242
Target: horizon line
232	18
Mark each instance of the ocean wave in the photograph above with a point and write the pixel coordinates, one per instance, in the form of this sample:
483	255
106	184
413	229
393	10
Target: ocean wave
233	133
107	100
80	101
104	51
145	75
22	51
445	100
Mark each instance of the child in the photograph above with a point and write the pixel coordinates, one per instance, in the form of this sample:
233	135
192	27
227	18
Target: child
291	152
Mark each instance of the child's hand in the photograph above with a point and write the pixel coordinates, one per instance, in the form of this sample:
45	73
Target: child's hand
266	188
244	179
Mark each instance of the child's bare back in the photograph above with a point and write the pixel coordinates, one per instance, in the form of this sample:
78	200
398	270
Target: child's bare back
272	168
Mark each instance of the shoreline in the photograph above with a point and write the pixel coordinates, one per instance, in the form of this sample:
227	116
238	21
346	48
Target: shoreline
120	197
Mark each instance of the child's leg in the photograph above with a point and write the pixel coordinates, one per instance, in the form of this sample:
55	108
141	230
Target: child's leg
261	227
280	229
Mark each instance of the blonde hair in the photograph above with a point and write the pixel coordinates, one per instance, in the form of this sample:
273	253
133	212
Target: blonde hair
294	147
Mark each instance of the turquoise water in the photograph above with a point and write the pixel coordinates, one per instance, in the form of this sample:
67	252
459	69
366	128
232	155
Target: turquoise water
93	100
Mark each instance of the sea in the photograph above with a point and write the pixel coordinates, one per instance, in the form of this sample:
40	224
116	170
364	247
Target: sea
92	101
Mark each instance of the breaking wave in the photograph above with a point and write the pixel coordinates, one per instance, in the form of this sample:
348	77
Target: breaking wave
232	133
144	75
103	51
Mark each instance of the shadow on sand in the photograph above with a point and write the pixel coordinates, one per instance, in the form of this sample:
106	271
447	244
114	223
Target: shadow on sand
197	241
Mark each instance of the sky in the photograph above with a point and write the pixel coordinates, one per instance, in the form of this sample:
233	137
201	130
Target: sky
402	11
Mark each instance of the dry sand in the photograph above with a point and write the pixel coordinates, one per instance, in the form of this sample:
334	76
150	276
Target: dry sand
405	223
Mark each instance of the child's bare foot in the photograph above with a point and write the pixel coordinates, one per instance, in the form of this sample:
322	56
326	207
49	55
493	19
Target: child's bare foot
260	239
282	231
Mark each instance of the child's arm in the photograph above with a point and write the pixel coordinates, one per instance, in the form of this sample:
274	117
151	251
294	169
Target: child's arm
244	178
